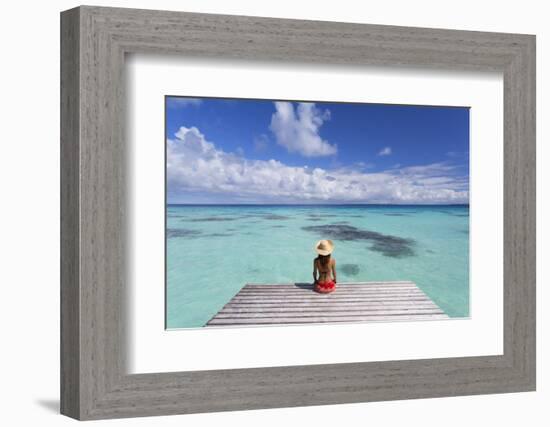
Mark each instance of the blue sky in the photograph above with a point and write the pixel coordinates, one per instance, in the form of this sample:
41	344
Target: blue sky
264	151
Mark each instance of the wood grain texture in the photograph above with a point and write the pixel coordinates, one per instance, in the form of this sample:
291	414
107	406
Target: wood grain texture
70	221
298	303
94	381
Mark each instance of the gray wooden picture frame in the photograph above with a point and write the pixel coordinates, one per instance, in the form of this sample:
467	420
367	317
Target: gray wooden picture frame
94	381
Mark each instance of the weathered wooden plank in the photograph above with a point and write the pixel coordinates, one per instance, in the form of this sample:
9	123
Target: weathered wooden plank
346	284
339	291
326	301
343	284
326	313
327	298
329	309
330	298
351	306
335	294
276	310
354	284
339	284
324	319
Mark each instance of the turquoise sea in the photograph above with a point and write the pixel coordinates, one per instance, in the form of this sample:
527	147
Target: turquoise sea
214	250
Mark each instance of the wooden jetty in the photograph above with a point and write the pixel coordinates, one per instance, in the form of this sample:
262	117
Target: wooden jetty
298	303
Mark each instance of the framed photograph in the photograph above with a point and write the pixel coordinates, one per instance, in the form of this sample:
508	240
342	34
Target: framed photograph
261	213
242	208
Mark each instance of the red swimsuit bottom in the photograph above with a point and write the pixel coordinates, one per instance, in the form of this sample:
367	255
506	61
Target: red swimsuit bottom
325	287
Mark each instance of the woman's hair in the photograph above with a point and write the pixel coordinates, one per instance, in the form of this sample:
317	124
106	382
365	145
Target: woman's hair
323	259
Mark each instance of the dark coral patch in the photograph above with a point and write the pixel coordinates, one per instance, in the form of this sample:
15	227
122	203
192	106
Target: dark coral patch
388	245
350	269
182	232
463	215
213	219
315	215
393	248
172	233
269	216
275	217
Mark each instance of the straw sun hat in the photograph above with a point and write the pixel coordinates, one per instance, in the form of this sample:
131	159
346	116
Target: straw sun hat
324	247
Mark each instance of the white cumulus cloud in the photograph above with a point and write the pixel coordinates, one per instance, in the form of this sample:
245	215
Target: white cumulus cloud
298	129
195	165
386	151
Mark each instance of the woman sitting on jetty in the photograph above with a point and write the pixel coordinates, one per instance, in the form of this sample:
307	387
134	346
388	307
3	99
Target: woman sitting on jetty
323	266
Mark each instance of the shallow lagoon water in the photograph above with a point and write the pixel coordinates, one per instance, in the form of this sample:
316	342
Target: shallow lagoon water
212	251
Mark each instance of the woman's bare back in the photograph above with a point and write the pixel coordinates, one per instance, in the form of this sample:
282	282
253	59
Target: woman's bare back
326	272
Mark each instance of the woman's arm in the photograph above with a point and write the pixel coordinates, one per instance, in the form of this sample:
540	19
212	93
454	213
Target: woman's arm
334	269
314	271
